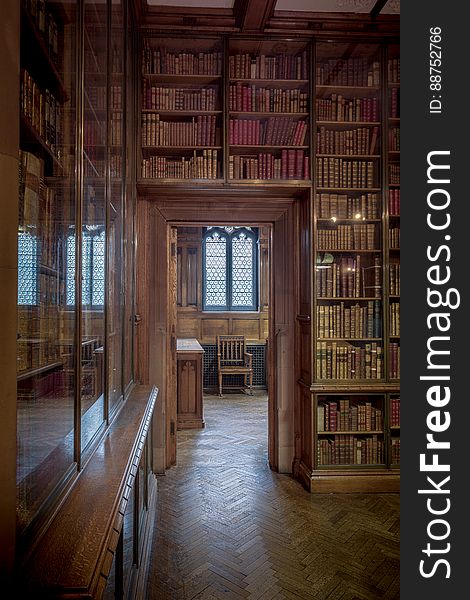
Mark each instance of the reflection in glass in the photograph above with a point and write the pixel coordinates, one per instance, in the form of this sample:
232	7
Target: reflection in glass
115	233
93	222
46	317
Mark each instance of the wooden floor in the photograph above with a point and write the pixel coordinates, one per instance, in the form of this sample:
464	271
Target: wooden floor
228	527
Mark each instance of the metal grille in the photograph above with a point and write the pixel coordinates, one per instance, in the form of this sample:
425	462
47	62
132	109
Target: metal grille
242	270
210	367
27	268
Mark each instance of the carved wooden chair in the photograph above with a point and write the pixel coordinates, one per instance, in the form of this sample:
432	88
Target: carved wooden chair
232	359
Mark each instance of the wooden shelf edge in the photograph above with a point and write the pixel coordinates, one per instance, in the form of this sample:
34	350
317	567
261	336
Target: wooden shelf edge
359	480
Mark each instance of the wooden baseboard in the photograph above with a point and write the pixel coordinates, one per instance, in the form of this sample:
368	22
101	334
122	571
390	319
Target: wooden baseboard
349	481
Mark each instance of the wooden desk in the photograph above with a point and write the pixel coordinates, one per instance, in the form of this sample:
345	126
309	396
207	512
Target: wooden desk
189	399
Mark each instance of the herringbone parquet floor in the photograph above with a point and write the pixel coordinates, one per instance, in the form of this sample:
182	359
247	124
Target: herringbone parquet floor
228	527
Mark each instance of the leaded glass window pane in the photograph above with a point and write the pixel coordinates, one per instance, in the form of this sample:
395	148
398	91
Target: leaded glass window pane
93	280
242	271
215	270
27	268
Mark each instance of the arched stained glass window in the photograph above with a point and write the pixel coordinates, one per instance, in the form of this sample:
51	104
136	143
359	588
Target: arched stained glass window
230	271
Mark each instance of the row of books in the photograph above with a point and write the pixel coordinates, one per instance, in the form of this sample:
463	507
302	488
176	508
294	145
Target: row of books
394	279
46	25
359	236
394	202
37	346
394	238
160	60
345	173
43	111
199	131
349	415
394	360
96	96
338	108
393	70
351	322
273	131
353	141
342	206
337	360
94	133
348	72
95	63
394	139
96	167
279	66
394	318
173	98
202	165
292	164
395	103
346	277
116	128
395	412
253	98
395	451
350	450
394	174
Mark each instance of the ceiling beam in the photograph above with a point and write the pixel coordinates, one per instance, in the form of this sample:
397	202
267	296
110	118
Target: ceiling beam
252	15
375	11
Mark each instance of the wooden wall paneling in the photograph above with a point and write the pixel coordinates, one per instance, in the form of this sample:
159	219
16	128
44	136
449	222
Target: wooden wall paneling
245	326
192	272
171	402
211	327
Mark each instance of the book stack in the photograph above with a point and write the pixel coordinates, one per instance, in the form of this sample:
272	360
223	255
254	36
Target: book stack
199	131
343	414
346	361
359	236
350	450
337	108
342	206
394	352
160	60
395	451
202	165
350	322
292	164
394	174
252	98
171	98
43	111
394	279
279	66
394	238
395	103
46	25
395	318
355	72
394	139
393	70
395	412
343	173
274	131
353	142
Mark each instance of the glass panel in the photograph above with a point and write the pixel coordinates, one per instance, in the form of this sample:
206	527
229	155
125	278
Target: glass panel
348	208
115	233
93	221
46	315
215	267
128	247
242	271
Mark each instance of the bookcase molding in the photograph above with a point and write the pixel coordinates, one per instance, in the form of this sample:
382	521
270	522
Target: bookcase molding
349	221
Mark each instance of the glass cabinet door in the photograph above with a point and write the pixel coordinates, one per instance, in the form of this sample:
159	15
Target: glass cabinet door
46	255
116	171
93	257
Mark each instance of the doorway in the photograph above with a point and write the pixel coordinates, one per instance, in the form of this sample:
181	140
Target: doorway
157	220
